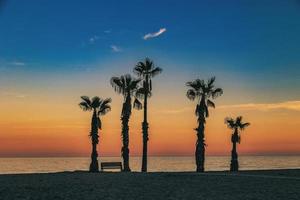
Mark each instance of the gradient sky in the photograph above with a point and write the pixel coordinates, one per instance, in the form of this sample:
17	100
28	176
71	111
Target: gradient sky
52	52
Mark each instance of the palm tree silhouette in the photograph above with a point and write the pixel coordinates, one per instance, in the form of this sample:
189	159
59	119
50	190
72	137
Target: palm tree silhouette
146	70
203	92
235	125
127	86
99	107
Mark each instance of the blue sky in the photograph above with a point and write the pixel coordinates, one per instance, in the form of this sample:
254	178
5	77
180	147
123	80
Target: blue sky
54	51
255	42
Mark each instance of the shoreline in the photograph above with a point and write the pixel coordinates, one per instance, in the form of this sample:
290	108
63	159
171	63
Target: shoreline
162	172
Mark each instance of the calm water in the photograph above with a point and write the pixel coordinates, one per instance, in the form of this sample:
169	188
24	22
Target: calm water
213	163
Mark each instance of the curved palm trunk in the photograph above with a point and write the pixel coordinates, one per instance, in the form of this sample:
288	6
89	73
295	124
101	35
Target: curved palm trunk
145	127
94	166
200	145
234	165
125	133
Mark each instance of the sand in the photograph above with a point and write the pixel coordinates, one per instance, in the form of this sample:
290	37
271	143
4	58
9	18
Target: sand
273	184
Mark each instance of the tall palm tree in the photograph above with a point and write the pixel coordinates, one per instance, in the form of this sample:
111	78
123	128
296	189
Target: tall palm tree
236	125
127	86
99	107
203	92
146	70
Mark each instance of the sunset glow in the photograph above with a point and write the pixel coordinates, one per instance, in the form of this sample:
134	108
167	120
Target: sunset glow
47	64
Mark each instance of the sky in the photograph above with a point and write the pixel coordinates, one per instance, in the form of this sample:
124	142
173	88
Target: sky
53	52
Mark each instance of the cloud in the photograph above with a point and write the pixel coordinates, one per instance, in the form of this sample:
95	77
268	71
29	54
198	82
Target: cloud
17	63
13	94
93	39
107	31
288	105
156	34
115	48
176	111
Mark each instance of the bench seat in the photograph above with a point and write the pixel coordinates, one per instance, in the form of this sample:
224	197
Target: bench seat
111	165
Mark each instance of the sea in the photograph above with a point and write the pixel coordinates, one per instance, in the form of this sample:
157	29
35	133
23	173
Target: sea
155	164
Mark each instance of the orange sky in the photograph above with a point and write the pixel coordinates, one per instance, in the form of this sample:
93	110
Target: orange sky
47	61
49	123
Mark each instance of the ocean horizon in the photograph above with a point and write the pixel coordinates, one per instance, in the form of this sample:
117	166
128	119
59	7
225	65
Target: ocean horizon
22	165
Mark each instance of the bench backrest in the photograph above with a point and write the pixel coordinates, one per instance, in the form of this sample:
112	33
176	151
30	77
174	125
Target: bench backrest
111	165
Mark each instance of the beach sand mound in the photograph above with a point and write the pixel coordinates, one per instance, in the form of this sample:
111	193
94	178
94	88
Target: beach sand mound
271	184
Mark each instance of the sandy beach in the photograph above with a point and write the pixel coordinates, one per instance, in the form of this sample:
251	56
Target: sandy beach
269	184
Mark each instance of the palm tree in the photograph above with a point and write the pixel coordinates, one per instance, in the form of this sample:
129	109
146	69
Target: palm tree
235	125
203	92
146	71
127	86
99	107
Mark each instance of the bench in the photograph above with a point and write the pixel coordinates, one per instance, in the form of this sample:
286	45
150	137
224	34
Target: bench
111	165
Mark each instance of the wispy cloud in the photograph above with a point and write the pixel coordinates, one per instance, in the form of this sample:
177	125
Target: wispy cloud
107	31
14	94
115	48
176	111
93	39
156	34
288	105
17	63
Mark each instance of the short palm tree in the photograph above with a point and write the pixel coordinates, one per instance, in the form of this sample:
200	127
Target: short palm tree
236	125
203	93
146	71
99	107
127	86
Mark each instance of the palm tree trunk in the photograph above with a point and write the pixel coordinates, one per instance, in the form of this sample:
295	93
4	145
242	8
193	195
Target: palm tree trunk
200	145
145	127
94	166
125	148
234	165
200	148
125	133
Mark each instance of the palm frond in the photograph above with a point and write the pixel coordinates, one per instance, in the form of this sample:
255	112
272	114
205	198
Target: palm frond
230	122
196	84
155	71
95	102
244	125
99	123
137	104
125	84
84	106
197	110
133	84
217	92
138	70
237	123
239	139
146	67
206	111
238	120
148	64
86	99
106	101
140	93
104	109
211	81
191	94
118	84
210	103
127	79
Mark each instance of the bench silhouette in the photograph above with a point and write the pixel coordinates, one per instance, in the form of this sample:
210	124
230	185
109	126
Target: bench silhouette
111	165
